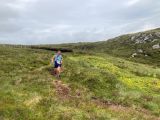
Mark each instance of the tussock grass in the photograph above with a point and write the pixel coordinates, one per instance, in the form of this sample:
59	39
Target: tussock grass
27	90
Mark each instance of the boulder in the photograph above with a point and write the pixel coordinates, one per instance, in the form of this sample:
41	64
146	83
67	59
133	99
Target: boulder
140	51
157	34
157	46
133	38
134	55
154	40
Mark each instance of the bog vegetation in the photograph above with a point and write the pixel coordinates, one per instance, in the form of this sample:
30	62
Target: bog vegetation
94	86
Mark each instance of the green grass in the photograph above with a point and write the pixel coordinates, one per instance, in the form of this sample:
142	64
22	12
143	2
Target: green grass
131	82
123	46
27	90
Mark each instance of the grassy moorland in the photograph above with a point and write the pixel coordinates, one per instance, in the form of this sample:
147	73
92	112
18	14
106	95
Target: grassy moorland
124	46
100	87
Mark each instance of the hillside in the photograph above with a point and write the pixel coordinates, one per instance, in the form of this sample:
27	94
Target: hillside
141	47
94	87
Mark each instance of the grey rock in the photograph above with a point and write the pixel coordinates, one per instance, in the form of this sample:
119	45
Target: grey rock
140	51
154	40
157	46
134	55
157	34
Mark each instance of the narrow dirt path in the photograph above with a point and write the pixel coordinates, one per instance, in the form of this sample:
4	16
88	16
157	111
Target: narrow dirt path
64	92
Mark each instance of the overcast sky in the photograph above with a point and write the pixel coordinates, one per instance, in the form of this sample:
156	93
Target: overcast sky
63	21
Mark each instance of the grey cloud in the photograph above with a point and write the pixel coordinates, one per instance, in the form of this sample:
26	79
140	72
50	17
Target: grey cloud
58	21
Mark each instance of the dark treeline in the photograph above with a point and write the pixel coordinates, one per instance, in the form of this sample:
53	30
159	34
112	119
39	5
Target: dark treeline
52	49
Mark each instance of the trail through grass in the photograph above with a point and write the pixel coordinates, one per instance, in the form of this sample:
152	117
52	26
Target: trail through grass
27	90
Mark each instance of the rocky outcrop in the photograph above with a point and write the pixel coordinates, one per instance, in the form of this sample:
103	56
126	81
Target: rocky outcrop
145	37
157	34
156	46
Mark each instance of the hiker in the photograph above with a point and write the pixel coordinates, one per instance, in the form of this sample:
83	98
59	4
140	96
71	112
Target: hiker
57	60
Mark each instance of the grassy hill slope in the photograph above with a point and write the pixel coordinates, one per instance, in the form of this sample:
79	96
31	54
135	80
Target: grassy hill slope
94	86
141	45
